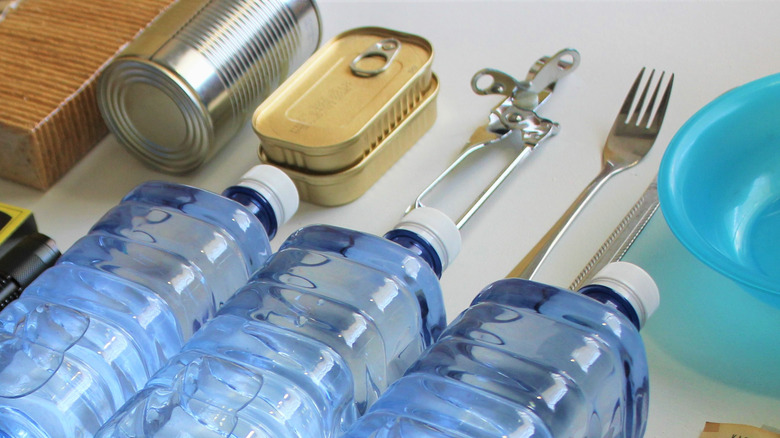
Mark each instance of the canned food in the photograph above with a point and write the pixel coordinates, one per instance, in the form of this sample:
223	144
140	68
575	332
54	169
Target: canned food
188	83
345	100
342	187
355	96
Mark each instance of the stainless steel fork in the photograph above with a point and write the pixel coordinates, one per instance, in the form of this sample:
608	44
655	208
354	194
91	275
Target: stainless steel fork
629	140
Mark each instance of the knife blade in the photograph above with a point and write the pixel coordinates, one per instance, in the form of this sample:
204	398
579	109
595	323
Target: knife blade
622	237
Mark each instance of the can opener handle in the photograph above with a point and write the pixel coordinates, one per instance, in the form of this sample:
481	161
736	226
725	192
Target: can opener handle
514	119
538	85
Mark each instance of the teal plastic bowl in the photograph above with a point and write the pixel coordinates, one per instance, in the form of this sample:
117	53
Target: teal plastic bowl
719	186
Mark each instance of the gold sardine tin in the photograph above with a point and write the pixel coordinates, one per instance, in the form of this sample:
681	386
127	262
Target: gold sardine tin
345	101
342	187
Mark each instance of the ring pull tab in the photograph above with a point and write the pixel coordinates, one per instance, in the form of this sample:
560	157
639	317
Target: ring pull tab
387	48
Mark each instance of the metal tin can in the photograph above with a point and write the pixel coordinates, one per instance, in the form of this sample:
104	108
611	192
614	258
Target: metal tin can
189	82
342	187
349	112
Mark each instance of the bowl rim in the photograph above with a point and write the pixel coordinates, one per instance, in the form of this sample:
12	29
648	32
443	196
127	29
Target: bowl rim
675	153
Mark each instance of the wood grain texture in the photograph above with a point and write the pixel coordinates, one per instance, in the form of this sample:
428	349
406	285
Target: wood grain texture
53	53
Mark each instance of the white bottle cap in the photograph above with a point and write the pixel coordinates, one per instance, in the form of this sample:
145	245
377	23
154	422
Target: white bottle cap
276	187
632	283
437	229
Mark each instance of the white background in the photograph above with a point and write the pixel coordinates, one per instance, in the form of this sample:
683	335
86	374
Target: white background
710	46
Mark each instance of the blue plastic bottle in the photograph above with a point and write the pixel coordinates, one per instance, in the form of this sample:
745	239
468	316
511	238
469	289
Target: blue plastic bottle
530	360
90	331
315	337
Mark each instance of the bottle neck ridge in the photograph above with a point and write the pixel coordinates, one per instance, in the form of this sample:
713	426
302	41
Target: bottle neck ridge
609	297
419	246
257	204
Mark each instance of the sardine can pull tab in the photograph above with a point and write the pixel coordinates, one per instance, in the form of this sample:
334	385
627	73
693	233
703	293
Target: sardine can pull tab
387	48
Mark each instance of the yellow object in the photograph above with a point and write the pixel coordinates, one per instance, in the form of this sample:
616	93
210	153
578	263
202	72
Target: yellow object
15	221
723	430
338	188
349	113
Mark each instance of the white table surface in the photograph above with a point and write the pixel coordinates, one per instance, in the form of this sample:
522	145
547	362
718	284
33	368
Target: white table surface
710	46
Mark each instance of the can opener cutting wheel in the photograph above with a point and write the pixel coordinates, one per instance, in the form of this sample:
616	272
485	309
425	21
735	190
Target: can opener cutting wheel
513	120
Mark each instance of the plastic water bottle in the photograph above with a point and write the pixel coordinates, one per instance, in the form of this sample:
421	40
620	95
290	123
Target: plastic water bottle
530	360
89	332
314	338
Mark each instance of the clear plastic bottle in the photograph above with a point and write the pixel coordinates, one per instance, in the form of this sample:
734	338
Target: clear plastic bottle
89	332
314	338
530	360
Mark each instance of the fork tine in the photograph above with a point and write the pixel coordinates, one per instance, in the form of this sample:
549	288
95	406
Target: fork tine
646	117
641	103
626	108
659	115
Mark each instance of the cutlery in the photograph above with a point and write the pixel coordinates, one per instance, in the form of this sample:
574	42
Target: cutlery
631	137
622	237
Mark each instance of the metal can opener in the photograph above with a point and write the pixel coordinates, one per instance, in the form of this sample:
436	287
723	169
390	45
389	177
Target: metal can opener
514	120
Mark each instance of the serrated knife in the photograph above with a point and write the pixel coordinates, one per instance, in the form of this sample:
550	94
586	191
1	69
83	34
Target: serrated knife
622	237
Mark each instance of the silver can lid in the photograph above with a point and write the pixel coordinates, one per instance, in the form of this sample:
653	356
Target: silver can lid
155	115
